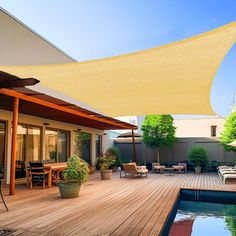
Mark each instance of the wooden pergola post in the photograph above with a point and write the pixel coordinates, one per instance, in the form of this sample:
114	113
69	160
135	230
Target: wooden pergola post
14	145
134	147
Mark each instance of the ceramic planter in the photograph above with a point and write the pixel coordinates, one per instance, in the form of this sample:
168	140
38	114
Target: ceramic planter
106	174
69	189
198	169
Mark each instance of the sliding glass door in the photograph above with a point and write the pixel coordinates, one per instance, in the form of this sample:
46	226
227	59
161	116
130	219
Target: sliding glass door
82	145
28	147
2	143
57	145
98	145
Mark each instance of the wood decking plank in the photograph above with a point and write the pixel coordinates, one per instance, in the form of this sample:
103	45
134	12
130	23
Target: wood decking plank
116	207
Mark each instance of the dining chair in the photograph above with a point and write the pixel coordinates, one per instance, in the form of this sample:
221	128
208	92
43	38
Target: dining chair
1	178
37	173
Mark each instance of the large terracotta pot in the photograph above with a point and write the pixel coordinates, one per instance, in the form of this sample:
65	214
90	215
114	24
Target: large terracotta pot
69	189
106	174
198	169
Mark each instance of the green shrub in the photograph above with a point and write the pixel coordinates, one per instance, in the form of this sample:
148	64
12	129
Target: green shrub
115	152
126	161
105	162
141	163
76	170
198	155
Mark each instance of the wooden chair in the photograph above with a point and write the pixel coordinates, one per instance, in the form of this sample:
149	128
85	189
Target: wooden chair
1	178
37	173
132	170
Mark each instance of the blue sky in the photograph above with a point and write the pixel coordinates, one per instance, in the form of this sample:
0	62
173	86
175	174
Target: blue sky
91	29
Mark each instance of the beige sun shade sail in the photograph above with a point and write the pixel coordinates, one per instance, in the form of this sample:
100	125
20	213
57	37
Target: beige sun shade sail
172	79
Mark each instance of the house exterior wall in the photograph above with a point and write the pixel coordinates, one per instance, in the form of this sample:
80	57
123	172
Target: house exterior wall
6	116
19	45
198	127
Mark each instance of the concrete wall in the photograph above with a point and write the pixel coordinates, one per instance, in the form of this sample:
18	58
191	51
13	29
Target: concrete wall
6	116
19	45
179	152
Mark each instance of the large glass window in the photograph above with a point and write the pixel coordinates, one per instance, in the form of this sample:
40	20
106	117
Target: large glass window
63	144
82	145
2	143
98	145
57	145
28	147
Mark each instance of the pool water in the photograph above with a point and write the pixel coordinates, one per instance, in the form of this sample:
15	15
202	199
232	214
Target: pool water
203	218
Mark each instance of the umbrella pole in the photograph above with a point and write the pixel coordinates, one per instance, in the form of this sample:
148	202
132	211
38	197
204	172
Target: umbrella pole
134	147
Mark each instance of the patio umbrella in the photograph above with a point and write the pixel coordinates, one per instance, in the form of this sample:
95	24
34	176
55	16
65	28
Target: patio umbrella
233	143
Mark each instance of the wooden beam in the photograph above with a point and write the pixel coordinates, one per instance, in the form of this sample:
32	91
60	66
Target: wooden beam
14	146
38	101
134	147
7	83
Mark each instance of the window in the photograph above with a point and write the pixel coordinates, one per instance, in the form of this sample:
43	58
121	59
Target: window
213	131
57	145
28	147
82	145
98	145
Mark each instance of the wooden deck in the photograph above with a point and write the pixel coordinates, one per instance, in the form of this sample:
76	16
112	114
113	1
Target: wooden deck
117	207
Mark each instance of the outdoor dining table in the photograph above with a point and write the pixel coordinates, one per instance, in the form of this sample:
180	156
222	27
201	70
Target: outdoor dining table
57	167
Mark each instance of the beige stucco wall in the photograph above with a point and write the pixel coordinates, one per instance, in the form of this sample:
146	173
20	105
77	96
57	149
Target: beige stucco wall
198	127
32	120
21	46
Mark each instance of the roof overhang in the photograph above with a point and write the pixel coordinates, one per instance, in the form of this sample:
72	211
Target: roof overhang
44	106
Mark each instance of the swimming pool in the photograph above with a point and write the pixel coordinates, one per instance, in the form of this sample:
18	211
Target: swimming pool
203	218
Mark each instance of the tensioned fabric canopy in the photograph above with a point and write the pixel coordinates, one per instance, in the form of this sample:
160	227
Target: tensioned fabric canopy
172	79
233	143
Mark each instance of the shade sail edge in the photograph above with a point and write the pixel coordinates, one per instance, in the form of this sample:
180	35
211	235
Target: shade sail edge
172	79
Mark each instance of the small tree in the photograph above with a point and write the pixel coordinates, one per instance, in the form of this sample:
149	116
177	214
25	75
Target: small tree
158	132
229	133
198	155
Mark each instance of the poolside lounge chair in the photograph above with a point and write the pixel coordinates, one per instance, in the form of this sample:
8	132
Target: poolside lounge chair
229	177
181	167
156	167
227	173
221	169
132	170
226	167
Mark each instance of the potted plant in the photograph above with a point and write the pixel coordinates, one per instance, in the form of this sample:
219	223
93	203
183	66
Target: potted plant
105	162
115	152
198	156
74	176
